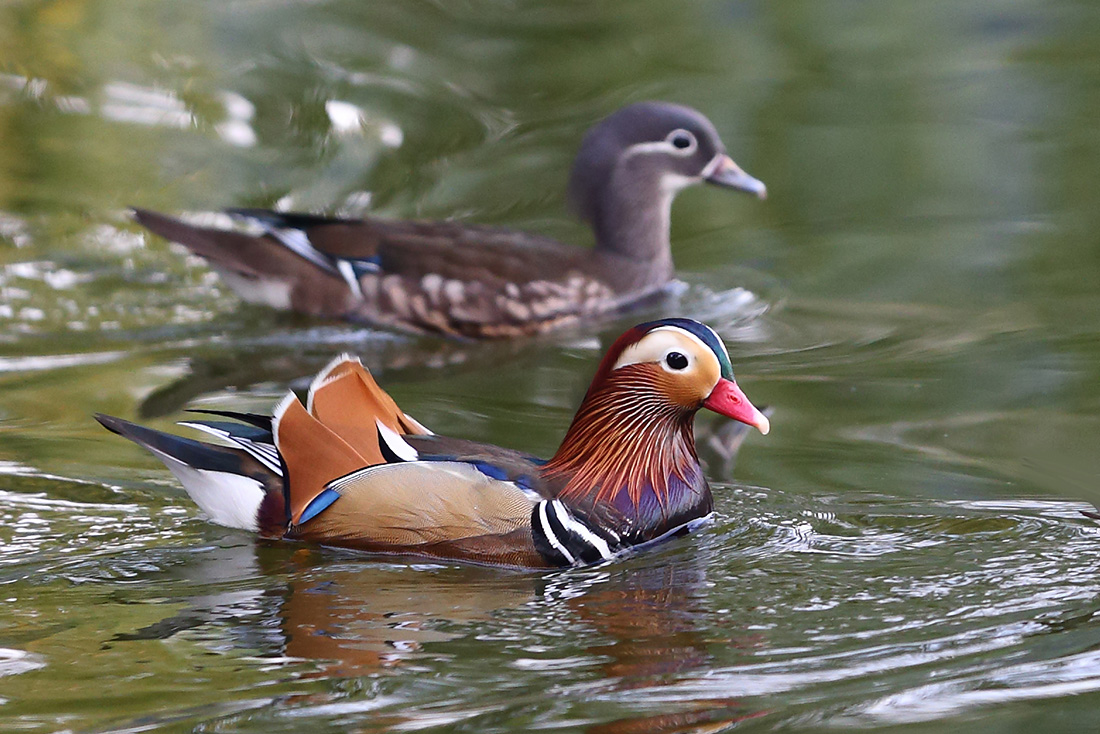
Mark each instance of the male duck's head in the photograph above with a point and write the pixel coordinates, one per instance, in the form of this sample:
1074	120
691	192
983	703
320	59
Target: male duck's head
630	450
631	165
682	363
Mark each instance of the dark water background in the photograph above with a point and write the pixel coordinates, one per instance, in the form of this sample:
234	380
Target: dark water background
919	300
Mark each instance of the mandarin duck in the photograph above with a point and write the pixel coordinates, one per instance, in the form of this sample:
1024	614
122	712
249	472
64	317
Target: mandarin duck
483	282
349	468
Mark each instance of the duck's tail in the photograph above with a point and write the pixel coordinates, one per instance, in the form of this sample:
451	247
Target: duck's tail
275	267
240	252
276	467
236	487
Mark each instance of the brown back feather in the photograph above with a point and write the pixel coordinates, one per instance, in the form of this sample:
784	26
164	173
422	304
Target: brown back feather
314	454
348	401
338	434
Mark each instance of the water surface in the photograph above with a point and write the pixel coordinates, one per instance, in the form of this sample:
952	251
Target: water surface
917	300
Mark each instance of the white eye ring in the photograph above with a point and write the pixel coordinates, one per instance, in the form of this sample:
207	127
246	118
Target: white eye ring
682	142
675	360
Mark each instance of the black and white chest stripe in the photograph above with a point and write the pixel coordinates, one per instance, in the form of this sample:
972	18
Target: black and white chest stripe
566	540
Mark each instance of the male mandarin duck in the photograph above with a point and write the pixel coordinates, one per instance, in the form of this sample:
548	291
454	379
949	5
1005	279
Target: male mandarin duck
350	469
484	282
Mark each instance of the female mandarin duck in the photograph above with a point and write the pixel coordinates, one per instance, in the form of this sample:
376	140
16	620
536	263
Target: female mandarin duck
482	282
350	469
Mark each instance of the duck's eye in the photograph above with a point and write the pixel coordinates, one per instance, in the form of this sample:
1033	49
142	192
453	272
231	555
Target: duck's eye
676	361
681	139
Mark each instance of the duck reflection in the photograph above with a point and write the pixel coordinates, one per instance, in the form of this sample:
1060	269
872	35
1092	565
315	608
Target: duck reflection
354	619
370	617
654	618
349	617
358	621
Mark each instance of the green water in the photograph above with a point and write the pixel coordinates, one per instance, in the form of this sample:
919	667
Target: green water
918	299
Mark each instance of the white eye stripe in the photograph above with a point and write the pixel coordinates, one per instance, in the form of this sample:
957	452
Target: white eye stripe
665	146
656	345
659	146
696	339
683	332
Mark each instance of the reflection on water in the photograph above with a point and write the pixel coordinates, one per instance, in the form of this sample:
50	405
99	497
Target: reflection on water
786	601
354	619
699	633
917	301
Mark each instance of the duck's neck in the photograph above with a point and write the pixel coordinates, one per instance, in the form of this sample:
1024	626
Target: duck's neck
633	219
628	460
